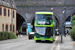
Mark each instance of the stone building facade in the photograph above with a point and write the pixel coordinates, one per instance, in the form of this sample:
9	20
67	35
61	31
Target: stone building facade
7	16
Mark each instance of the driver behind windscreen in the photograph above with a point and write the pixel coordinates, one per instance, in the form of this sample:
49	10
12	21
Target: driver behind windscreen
48	21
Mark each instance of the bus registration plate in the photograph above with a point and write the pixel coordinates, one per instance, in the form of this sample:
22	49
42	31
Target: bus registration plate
42	40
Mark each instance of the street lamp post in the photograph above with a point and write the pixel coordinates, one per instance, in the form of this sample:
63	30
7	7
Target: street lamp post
64	14
11	17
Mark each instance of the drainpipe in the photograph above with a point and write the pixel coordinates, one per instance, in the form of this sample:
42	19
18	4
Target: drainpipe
11	16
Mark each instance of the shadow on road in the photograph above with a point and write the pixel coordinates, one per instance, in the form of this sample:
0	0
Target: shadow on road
44	42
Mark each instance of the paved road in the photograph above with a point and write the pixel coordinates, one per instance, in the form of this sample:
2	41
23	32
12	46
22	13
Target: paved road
26	45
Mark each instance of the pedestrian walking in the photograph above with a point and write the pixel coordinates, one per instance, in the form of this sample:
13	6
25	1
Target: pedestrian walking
67	32
19	33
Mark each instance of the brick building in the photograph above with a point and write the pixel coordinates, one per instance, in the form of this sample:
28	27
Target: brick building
7	16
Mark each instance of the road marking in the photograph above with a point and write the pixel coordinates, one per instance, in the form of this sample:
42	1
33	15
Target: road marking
56	38
57	47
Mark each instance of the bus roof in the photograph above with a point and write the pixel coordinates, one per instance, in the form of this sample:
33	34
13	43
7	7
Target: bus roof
44	13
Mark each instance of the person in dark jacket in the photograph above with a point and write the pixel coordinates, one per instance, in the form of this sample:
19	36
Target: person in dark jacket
19	33
67	32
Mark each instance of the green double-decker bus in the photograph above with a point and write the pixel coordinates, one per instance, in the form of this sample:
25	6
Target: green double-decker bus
44	26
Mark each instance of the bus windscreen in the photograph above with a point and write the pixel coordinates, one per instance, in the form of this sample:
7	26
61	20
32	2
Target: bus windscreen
44	17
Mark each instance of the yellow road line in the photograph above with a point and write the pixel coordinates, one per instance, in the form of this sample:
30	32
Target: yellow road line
56	38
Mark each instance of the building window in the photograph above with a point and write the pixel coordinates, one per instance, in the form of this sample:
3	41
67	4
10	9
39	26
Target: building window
8	12
13	14
2	27
0	11
13	28
4	12
10	28
6	27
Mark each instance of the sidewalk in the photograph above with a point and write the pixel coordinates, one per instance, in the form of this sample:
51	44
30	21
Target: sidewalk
24	37
68	43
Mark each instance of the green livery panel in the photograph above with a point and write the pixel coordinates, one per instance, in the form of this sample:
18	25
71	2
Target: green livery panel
49	39
42	38
44	13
